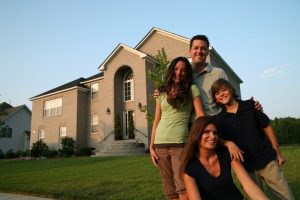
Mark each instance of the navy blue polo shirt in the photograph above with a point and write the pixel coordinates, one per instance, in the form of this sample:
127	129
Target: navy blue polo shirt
245	129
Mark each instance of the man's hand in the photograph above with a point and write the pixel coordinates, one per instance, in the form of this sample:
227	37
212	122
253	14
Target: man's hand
281	159
156	93
257	105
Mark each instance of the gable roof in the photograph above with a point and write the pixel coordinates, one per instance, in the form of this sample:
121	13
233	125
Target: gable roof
155	30
117	49
213	51
71	85
163	32
11	111
94	77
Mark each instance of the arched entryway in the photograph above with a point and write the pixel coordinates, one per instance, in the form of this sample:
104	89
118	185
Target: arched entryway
124	100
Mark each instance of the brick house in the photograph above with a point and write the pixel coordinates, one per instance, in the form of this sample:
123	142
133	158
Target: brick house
85	108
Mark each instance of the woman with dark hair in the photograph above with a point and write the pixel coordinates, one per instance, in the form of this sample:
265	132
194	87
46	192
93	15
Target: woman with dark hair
206	171
170	126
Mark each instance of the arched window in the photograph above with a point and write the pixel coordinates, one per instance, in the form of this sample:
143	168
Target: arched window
128	87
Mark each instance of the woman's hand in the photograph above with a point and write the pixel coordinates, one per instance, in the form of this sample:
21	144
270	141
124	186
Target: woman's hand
154	157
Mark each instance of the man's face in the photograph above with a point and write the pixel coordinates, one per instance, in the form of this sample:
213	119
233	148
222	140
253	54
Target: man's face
199	52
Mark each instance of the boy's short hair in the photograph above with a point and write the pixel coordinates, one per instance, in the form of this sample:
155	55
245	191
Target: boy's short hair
218	84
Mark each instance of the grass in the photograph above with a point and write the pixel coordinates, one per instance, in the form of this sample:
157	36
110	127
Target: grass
102	178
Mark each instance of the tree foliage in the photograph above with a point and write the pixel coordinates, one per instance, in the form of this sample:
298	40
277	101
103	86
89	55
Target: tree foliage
287	130
157	75
158	72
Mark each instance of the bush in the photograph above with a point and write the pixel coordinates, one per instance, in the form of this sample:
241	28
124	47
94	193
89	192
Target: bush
117	127
20	154
85	151
39	149
52	153
10	154
1	154
68	147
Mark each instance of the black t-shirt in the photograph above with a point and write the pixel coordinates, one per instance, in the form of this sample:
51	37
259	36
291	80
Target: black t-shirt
214	188
245	129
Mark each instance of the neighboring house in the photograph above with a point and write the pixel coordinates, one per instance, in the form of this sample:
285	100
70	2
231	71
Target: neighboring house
85	108
15	125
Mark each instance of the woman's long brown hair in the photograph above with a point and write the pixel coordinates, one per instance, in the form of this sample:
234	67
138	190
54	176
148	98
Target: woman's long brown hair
183	91
192	146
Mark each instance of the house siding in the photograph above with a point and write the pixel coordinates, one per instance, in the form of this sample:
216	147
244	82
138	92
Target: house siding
19	122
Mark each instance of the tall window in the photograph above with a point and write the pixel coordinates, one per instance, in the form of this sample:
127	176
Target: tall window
94	91
94	124
53	107
6	132
41	134
128	87
62	133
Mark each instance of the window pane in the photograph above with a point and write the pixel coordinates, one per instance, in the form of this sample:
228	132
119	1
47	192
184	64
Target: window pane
63	131
53	107
94	124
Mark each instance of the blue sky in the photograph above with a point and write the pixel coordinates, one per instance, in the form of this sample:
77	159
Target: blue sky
44	44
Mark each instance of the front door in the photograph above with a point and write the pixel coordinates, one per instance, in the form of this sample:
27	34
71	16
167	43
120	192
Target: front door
128	125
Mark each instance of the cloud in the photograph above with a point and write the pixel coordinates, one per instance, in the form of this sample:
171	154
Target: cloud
268	73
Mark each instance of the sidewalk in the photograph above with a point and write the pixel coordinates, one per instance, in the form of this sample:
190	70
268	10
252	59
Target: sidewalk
5	196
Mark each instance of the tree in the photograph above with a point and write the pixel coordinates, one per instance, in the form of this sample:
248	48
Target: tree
3	107
117	127
157	75
287	130
158	72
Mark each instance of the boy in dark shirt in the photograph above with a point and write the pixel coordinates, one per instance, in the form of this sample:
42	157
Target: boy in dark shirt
241	124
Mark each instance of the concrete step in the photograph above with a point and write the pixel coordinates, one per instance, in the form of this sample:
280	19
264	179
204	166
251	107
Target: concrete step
121	148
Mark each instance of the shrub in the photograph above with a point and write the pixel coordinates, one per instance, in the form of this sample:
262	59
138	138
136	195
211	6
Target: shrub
20	154
68	147
10	154
131	127
85	151
52	153
117	127
39	149
1	154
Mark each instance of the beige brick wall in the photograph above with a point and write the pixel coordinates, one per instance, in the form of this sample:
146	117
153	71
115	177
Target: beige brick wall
112	91
173	47
51	125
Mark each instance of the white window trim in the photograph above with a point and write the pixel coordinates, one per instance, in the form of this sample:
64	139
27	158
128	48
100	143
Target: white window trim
52	107
94	90
131	87
62	131
41	134
94	124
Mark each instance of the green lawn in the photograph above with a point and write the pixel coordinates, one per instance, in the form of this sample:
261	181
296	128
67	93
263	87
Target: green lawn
102	178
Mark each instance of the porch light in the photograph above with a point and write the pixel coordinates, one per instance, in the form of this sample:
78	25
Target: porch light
107	111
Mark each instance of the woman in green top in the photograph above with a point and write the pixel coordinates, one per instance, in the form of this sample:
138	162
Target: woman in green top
170	126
